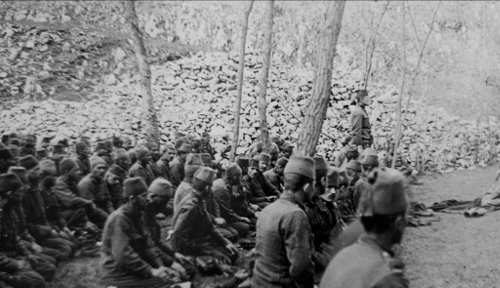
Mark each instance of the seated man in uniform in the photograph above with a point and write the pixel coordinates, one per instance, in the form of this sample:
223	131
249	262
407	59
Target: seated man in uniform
194	234
370	262
128	255
284	240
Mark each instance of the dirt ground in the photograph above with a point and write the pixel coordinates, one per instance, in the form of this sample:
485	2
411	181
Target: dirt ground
456	251
453	252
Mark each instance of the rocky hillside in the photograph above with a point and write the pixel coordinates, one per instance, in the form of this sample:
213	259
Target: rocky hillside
197	94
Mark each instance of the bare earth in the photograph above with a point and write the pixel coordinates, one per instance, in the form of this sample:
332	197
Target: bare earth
456	251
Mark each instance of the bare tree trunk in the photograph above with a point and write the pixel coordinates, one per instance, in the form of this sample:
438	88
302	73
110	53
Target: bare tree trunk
152	134
266	53
401	89
316	108
239	92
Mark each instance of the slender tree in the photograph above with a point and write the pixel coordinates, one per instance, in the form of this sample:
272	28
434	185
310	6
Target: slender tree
239	91
397	132
266	55
316	108
151	119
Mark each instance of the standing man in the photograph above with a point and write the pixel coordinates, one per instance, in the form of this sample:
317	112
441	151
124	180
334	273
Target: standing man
128	256
370	262
284	240
360	122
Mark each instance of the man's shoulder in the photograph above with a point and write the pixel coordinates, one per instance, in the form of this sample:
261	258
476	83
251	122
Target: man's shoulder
219	185
86	180
175	161
269	173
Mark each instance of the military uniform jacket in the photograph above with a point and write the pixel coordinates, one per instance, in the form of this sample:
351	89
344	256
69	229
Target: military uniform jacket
364	265
274	179
323	219
261	187
283	246
182	191
361	128
165	171
177	167
137	170
193	228
222	192
127	247
84	164
67	198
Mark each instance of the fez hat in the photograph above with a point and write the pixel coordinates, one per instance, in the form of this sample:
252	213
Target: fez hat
9	182
320	164
29	162
134	186
242	161
333	177
386	194
353	165
232	170
48	167
282	162
263	157
301	165
205	174
206	159
371	160
120	153
140	151
161	186
20	172
94	161
67	164
185	148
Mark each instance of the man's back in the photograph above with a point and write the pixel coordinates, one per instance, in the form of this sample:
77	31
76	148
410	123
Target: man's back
283	246
363	265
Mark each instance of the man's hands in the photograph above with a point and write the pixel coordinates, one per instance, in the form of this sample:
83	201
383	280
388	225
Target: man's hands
181	258
23	264
232	249
178	267
160	273
220	221
271	198
36	247
245	220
